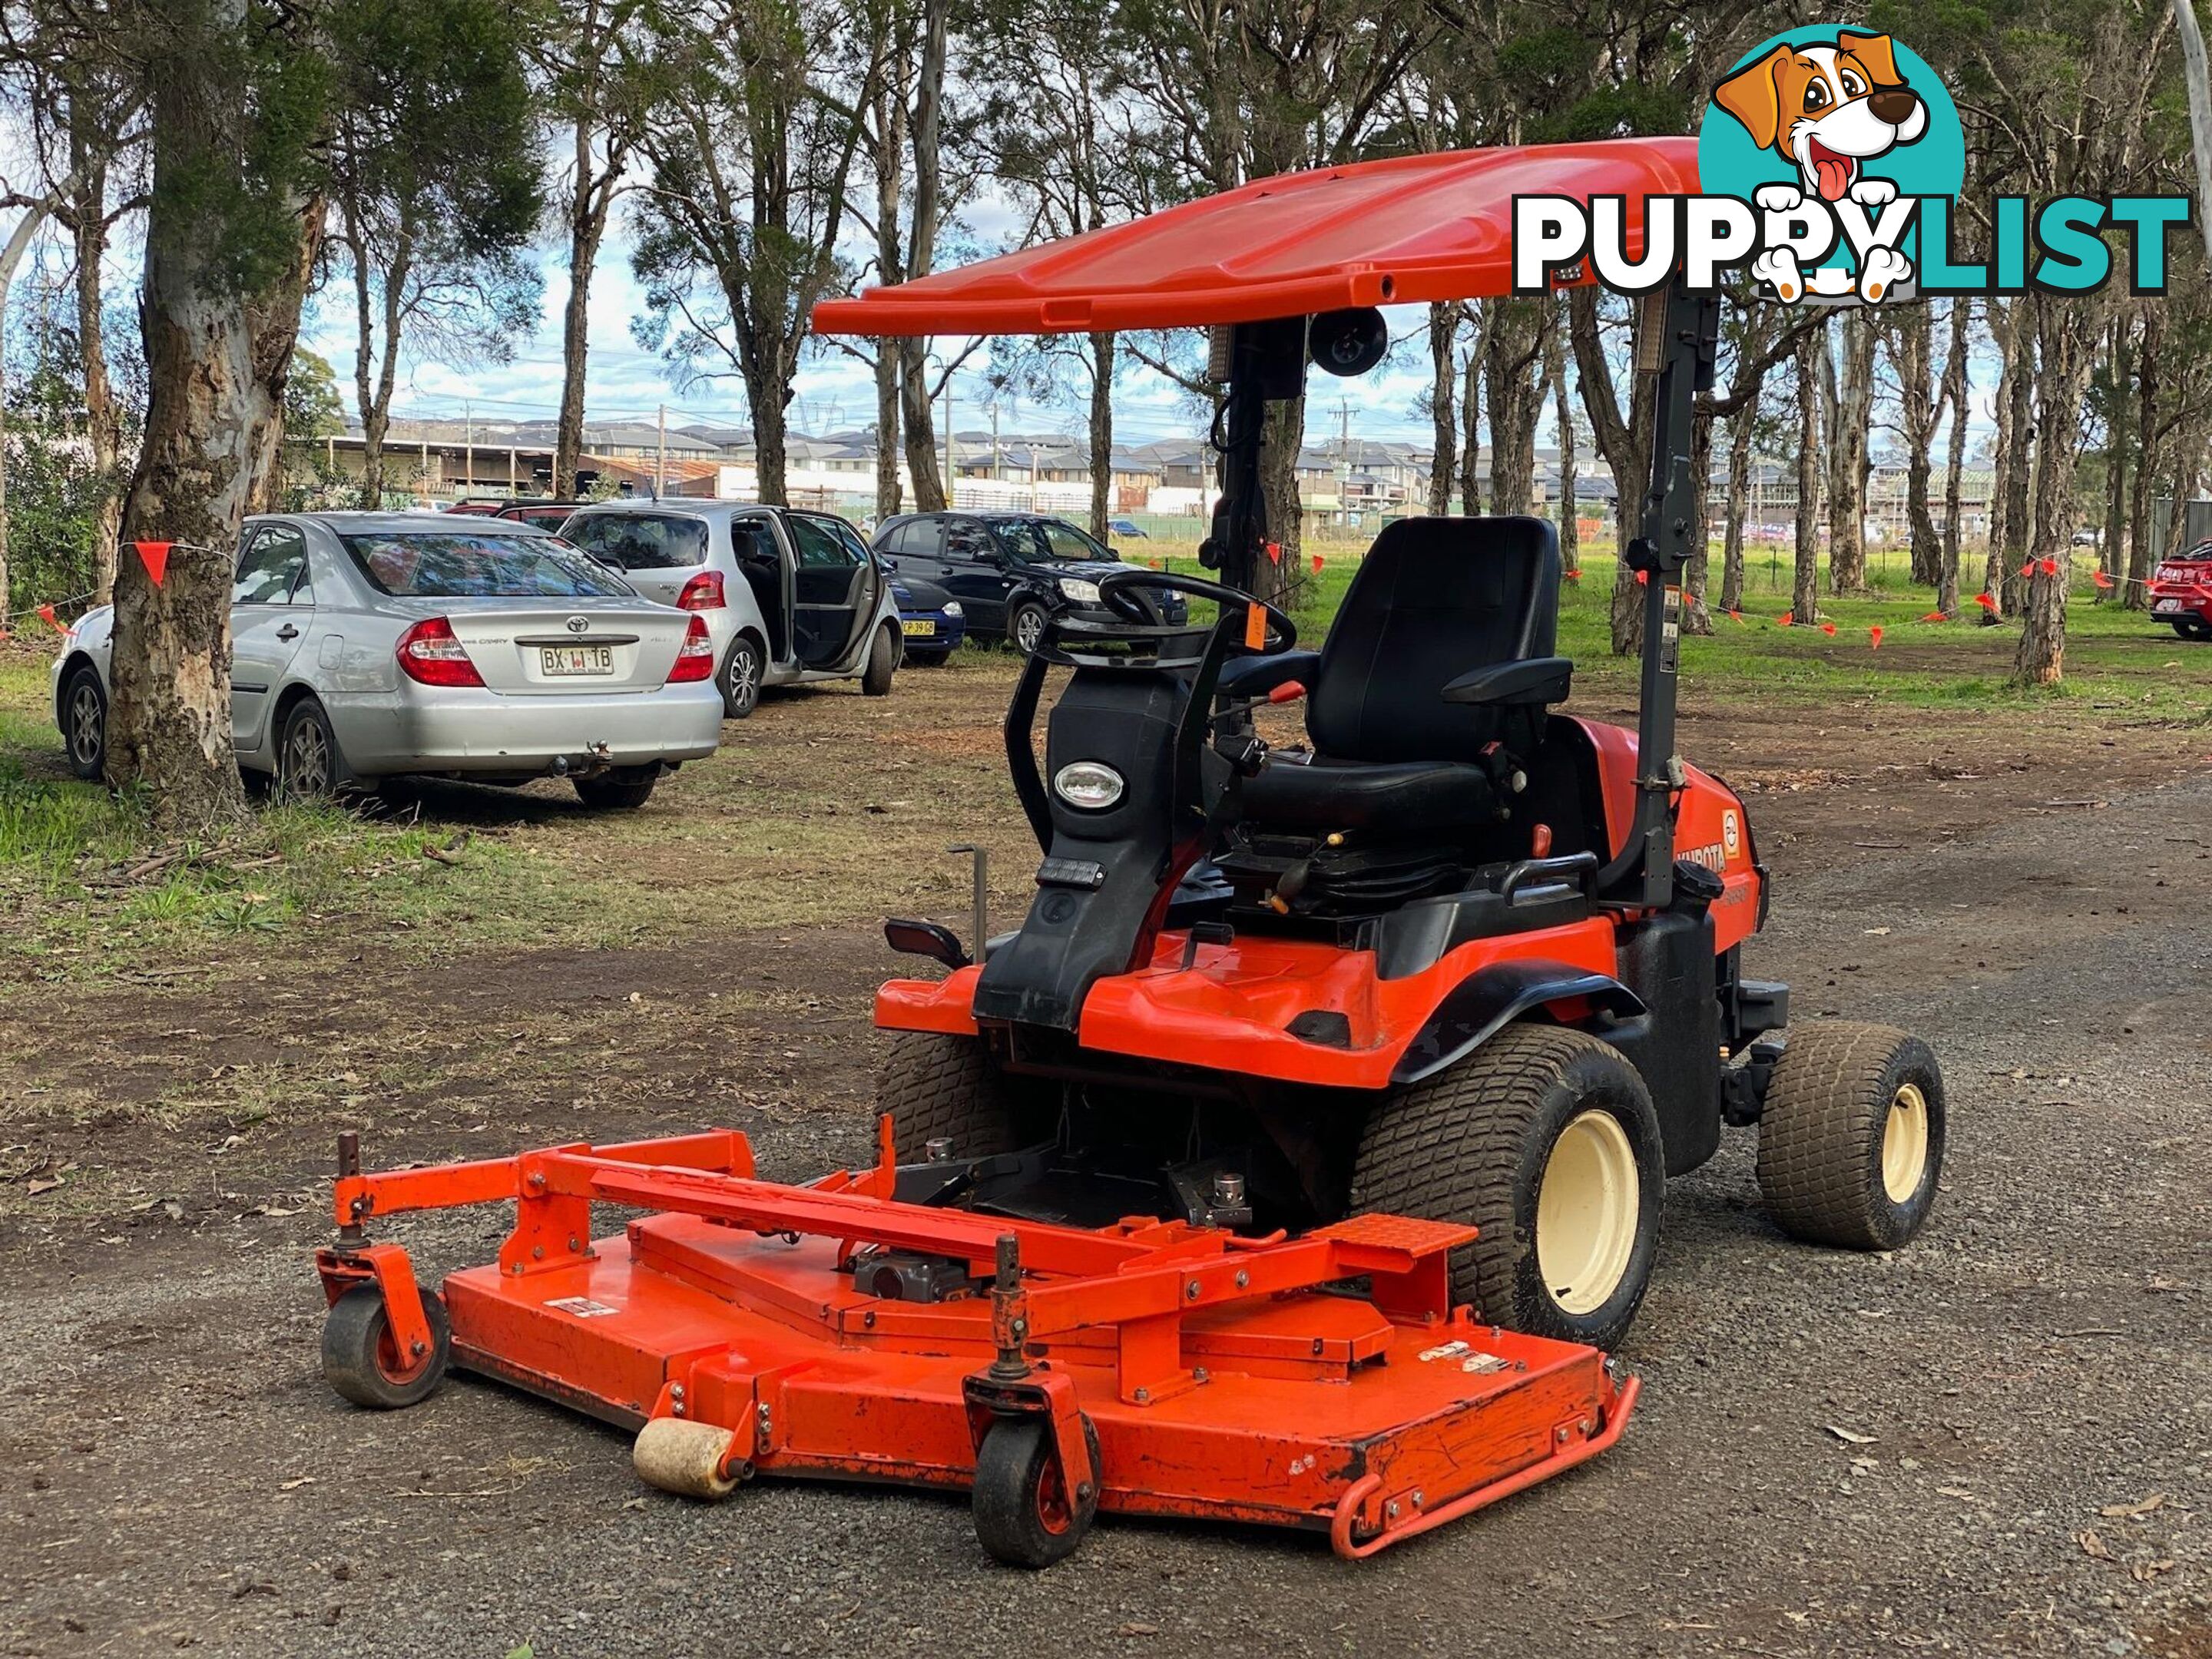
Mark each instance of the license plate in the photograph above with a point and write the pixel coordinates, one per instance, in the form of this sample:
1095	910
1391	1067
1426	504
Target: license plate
559	659
921	627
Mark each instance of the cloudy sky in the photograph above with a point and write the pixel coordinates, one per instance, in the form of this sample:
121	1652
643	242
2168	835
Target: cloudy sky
834	391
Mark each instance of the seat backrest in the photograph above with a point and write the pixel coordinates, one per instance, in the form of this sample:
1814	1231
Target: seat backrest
1434	599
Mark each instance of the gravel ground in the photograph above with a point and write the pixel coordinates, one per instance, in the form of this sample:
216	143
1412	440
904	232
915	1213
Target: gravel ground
2032	1380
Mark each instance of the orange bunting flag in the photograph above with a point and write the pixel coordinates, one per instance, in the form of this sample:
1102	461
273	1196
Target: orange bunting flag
2027	570
1274	552
1986	602
1642	578
52	621
1316	564
1934	615
1573	575
1786	619
155	556
1874	637
2101	579
2050	567
1829	628
1737	616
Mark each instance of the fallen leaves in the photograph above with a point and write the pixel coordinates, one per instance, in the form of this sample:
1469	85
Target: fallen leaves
2134	1511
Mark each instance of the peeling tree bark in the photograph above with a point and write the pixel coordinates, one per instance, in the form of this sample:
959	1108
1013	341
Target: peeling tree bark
1955	462
1847	455
2066	336
2135	569
1739	505
1443	403
1805	586
1555	364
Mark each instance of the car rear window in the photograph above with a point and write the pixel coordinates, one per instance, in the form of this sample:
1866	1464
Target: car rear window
641	541
452	564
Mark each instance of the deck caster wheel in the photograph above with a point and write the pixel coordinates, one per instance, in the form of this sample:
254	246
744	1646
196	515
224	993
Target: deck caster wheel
1850	1142
691	1460
1024	1516
362	1361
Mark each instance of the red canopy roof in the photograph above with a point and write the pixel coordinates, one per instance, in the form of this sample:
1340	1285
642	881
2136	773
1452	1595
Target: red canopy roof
1413	228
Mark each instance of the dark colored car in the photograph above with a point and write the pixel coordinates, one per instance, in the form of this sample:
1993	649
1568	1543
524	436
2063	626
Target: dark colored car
931	620
1130	528
1010	570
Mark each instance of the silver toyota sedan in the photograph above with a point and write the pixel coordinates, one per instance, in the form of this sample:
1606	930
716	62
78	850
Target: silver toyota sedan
369	644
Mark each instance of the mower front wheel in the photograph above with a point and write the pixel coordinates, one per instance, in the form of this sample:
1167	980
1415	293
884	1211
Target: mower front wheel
1850	1141
1545	1139
362	1361
1025	1516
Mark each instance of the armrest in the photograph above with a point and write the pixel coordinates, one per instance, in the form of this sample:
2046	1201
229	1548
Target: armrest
1255	677
1542	680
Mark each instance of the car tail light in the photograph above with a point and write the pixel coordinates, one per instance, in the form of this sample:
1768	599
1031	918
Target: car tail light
702	592
695	657
429	653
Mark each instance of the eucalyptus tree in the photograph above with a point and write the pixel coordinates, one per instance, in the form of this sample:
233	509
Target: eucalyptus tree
740	224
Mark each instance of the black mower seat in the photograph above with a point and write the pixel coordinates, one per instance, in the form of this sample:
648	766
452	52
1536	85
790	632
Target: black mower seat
1411	797
1436	601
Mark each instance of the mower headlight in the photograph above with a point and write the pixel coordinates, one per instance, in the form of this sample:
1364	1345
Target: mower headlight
1075	588
951	608
1092	785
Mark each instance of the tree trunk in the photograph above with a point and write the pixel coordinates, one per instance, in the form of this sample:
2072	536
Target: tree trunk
888	491
2111	548
2066	358
1739	504
1279	442
274	320
1697	618
1470	422
169	721
1443	403
103	417
1805	589
2018	393
1555	364
1102	433
1516	397
1916	399
1625	441
1847	455
2135	587
1954	462
767	395
918	420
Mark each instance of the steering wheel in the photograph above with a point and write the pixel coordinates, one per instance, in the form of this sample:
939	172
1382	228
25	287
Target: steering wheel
1113	593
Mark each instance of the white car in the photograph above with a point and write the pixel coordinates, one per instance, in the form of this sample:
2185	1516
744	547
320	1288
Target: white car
789	597
369	644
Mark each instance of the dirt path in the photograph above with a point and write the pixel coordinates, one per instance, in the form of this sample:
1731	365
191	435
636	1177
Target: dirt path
177	1474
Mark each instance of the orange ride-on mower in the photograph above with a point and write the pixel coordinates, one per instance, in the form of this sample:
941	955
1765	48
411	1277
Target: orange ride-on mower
1299	1158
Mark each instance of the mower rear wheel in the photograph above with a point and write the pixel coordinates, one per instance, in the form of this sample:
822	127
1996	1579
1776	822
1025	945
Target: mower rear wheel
1850	1141
939	1087
362	1361
1025	1516
1544	1139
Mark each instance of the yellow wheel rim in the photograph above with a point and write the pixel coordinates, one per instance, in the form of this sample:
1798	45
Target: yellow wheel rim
1586	1212
1904	1143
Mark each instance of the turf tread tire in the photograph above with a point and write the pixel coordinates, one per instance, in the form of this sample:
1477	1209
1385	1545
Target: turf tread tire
1450	1149
1819	1135
940	1086
352	1332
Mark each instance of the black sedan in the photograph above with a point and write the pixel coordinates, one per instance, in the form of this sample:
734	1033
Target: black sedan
1010	571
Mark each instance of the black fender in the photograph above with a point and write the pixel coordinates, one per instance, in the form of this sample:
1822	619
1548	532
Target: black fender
1492	998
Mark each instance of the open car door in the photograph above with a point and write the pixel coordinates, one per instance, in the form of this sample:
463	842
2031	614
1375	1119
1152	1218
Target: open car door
835	589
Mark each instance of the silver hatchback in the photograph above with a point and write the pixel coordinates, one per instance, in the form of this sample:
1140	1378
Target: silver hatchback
369	644
789	596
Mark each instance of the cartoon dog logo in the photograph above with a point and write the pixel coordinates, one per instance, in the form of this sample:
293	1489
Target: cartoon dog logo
1827	108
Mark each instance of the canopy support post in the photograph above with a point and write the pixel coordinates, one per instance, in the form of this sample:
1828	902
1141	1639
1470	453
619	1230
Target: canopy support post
1267	362
1680	333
